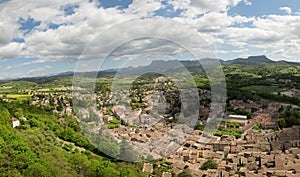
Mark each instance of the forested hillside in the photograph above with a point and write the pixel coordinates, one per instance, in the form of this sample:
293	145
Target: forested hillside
49	145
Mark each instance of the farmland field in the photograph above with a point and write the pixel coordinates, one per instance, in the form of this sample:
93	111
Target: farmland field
18	96
262	88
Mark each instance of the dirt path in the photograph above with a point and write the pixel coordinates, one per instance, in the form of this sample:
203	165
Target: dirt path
81	149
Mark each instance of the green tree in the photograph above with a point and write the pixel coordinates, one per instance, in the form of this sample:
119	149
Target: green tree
80	164
184	173
127	153
5	117
281	122
209	164
2	144
38	170
199	127
108	146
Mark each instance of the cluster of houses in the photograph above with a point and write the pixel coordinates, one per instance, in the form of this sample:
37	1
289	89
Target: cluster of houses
257	153
57	99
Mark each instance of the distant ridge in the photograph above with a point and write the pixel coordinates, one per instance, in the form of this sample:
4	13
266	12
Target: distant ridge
250	59
68	73
256	60
158	66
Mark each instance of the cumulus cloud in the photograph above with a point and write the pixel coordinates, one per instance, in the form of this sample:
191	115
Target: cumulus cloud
11	50
12	11
75	31
25	64
157	36
179	4
213	22
108	28
68	40
7	29
144	8
247	2
37	71
287	10
286	26
212	5
250	35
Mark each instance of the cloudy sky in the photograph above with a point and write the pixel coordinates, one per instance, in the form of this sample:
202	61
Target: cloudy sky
42	37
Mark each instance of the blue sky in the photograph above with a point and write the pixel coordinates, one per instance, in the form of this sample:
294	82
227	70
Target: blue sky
47	37
115	3
264	7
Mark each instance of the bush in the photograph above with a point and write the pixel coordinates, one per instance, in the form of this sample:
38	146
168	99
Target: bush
68	147
112	126
33	123
185	173
234	132
115	121
209	164
200	127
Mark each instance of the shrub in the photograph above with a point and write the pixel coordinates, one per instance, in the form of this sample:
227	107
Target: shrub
209	164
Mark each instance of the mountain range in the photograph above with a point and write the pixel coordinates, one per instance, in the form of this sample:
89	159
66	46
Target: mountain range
256	59
167	65
192	65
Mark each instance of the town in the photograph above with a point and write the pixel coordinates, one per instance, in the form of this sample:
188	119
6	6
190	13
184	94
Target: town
251	139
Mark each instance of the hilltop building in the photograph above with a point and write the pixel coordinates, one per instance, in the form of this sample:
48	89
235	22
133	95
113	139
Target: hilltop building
15	122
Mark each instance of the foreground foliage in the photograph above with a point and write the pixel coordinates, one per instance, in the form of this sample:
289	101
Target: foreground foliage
34	150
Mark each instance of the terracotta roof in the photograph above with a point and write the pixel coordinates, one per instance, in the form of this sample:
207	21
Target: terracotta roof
14	119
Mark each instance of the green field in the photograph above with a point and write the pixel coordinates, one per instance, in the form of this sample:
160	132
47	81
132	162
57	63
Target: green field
18	96
262	88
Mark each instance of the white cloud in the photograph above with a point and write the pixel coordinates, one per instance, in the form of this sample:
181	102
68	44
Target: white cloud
213	22
294	45
25	64
37	71
7	29
251	36
68	41
287	26
212	5
179	4
11	50
48	13
88	21
145	36
8	73
144	8
208	19
242	19
287	10
247	2
193	8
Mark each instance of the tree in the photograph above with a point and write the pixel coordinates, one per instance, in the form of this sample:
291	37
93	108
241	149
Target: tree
209	164
33	123
5	117
108	146
185	173
68	134
127	153
199	127
37	170
80	163
281	122
125	172
2	144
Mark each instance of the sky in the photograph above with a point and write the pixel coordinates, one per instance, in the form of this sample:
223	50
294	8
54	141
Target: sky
42	37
